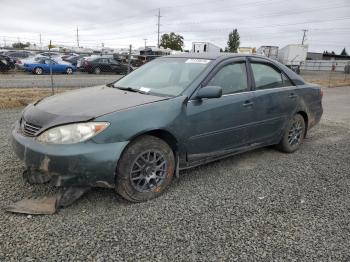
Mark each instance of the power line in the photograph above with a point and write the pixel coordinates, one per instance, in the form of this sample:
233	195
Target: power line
276	14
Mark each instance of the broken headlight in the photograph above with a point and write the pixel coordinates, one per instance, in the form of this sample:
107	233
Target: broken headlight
72	133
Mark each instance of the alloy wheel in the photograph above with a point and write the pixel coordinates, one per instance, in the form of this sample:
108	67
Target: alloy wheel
38	71
148	171
295	133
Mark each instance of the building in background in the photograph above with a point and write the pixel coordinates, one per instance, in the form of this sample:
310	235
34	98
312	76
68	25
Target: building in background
204	47
246	50
268	51
326	56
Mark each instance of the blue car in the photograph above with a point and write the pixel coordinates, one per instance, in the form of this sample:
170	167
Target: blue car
43	66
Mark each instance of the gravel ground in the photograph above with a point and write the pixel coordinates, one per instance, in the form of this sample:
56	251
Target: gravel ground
258	206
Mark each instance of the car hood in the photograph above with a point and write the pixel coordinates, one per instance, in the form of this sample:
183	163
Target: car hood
83	105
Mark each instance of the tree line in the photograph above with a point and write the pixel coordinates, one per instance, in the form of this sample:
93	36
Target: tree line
176	42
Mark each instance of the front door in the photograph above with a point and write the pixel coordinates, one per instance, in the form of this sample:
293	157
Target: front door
219	125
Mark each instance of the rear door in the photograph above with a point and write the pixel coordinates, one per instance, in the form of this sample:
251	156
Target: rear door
275	100
58	68
115	66
105	65
219	125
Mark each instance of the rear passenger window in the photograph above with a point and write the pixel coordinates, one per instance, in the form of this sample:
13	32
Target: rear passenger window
266	76
232	78
286	81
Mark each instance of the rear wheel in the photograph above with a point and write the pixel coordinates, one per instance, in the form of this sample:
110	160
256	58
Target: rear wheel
69	71
145	169
97	71
294	134
38	71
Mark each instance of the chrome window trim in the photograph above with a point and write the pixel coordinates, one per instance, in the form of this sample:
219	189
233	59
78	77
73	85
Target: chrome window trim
251	91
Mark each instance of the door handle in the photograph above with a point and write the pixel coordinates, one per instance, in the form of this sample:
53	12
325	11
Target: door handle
248	103
292	95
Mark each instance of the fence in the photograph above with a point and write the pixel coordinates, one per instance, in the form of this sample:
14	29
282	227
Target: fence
325	65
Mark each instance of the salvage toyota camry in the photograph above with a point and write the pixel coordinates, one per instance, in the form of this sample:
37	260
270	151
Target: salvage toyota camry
173	113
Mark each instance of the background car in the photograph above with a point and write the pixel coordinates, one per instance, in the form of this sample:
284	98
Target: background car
43	66
73	59
50	54
19	54
6	63
101	64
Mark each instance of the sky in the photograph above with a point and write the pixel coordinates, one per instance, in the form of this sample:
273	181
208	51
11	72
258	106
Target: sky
120	23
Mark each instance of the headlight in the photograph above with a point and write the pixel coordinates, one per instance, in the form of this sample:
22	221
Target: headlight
72	133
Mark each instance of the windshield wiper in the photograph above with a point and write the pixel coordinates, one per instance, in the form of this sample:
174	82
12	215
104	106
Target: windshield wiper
131	89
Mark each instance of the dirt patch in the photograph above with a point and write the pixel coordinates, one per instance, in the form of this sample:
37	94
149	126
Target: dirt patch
326	79
17	97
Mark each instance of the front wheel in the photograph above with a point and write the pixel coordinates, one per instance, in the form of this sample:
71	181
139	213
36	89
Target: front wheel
294	134
145	169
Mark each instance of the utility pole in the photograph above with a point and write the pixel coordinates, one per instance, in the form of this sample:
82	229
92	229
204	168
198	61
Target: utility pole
304	36
77	36
4	42
51	77
129	58
41	46
158	25
145	42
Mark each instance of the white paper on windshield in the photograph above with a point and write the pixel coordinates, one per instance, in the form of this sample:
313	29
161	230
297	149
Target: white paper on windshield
145	89
197	61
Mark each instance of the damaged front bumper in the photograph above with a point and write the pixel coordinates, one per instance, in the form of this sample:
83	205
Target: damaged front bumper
87	164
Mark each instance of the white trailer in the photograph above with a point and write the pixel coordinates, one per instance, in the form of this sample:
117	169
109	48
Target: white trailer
204	47
293	56
268	51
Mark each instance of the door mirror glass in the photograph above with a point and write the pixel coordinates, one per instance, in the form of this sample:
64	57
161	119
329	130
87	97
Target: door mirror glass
209	92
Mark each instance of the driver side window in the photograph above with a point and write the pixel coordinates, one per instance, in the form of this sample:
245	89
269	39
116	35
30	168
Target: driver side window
232	78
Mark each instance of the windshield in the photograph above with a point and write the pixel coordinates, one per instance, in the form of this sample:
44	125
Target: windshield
164	76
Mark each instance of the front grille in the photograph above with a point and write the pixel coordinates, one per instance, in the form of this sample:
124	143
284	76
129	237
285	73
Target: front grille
29	129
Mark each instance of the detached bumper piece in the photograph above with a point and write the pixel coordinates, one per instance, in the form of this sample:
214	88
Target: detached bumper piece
47	205
35	206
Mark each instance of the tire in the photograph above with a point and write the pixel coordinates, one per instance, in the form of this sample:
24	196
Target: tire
69	70
138	177
97	71
294	135
125	72
38	71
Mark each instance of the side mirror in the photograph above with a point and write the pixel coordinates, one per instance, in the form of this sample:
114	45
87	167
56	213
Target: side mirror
209	92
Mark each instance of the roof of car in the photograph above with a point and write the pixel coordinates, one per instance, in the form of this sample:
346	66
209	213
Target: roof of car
221	56
212	56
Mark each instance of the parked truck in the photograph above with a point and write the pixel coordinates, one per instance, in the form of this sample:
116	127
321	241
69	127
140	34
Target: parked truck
293	56
204	47
268	51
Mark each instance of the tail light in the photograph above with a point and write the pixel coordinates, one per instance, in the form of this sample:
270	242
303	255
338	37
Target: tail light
321	93
19	62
